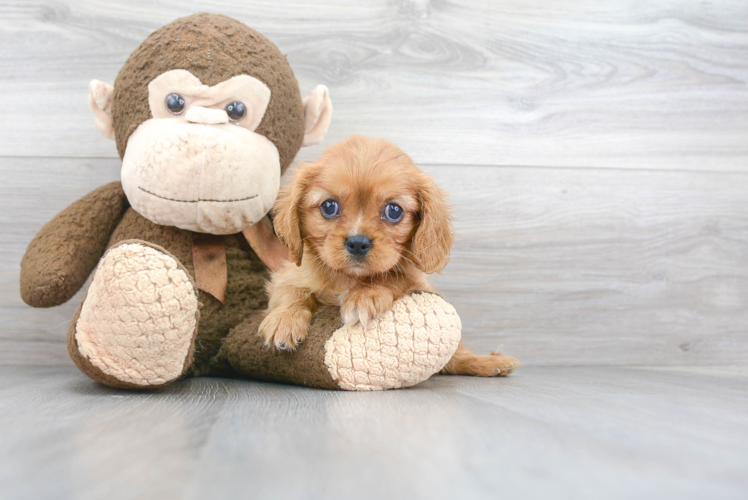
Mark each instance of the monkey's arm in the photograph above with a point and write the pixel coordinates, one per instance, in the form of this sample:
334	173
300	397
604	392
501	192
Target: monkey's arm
66	250
403	347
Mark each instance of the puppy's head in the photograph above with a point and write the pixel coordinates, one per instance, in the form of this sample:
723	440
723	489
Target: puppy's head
361	208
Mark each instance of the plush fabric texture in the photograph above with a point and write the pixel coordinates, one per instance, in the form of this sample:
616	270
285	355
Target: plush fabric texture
140	315
214	48
84	364
245	290
216	179
317	115
244	353
227	343
100	96
249	90
144	322
402	347
56	263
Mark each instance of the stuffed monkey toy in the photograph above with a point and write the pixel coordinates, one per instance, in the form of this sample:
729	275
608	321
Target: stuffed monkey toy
207	116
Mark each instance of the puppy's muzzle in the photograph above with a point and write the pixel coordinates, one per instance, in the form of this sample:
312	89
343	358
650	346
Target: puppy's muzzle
358	246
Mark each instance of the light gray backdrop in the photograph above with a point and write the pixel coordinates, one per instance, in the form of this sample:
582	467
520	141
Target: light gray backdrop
596	152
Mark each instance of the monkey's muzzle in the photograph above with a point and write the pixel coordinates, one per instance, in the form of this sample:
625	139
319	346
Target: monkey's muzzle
217	179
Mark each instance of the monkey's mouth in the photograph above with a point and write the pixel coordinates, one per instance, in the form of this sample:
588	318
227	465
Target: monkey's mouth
206	200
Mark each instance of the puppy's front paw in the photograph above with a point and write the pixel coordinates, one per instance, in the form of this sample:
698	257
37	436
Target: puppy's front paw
285	328
365	303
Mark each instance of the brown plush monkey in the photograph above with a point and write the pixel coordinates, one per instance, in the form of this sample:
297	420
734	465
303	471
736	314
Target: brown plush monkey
207	115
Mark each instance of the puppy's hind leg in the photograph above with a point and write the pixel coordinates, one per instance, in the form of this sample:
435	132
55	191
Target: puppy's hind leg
466	362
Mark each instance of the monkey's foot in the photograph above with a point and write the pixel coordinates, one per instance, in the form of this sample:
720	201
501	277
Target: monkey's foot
137	325
399	348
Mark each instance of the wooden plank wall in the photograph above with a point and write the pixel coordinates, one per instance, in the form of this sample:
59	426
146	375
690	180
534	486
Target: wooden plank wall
596	151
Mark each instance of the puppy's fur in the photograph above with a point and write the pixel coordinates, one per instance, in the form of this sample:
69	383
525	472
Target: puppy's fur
362	176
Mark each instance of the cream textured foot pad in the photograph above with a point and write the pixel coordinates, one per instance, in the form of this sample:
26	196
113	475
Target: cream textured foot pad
139	318
400	348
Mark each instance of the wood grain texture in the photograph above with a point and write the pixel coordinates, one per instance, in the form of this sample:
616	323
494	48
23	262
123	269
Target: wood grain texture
596	153
562	432
600	266
660	85
560	266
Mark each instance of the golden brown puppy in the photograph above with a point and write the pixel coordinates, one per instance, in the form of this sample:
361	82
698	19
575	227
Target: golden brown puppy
364	226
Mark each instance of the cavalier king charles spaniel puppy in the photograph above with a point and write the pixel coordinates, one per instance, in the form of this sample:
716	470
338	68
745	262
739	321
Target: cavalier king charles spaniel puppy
364	227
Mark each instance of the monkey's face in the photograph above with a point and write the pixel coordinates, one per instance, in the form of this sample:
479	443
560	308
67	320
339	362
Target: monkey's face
206	116
198	163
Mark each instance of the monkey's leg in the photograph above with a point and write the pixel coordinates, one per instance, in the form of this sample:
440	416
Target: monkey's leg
136	328
399	348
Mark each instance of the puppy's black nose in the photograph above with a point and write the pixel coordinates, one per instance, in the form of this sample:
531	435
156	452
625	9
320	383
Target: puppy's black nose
358	245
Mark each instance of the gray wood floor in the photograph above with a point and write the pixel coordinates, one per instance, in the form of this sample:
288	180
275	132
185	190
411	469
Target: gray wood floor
548	432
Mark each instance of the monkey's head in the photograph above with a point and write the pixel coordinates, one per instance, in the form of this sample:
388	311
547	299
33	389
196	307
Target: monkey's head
207	115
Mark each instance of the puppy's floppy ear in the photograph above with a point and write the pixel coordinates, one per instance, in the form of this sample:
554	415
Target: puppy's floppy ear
434	236
287	211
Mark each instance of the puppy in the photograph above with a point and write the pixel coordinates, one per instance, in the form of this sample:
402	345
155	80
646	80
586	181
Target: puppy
364	226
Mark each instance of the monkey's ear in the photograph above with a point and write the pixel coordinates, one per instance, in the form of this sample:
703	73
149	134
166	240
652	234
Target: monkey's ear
100	97
317	115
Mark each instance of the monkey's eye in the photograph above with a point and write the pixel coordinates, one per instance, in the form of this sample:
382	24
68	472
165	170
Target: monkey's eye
175	103
393	213
329	209
236	111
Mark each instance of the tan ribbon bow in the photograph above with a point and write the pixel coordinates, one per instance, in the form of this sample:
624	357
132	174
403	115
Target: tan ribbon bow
209	256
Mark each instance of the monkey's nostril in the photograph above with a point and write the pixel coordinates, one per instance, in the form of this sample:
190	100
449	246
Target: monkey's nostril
358	245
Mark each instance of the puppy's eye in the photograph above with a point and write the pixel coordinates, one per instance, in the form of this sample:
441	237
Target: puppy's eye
236	111
175	103
393	213
330	209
